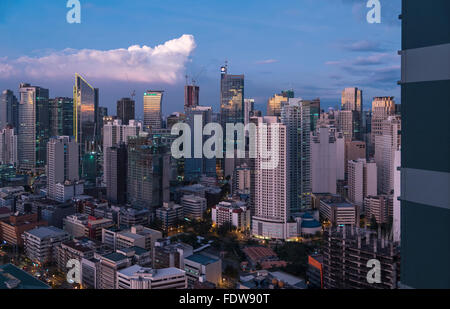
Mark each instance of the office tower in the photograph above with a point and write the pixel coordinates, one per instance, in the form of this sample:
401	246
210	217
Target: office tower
86	126
348	124
275	104
362	180
314	109
126	110
193	206
8	145
116	133
288	93
249	107
354	150
295	116
174	119
386	145
327	160
366	133
231	111
380	208
425	144
153	110
33	133
346	253
352	100
272	195
147	176
191	96
61	117
382	108
62	163
116	181
194	168
9	109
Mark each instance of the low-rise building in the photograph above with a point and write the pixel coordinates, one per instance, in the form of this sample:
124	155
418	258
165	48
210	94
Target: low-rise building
339	212
40	243
81	225
12	229
169	214
236	213
136	236
167	254
141	278
204	267
193	206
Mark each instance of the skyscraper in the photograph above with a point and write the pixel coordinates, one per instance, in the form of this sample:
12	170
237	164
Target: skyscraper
191	96
352	100
382	108
62	163
8	145
9	112
231	111
33	127
275	104
362	180
153	110
61	116
272	204
126	110
295	116
425	144
327	160
194	168
86	126
116	180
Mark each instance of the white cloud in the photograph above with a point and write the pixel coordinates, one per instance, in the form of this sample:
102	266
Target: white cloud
268	61
164	63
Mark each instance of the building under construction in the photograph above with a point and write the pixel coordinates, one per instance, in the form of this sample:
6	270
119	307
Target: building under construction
346	253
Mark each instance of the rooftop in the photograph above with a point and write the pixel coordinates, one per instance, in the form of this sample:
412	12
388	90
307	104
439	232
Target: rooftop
202	259
12	277
46	231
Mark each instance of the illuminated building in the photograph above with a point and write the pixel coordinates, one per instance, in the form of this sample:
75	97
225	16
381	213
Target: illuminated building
153	110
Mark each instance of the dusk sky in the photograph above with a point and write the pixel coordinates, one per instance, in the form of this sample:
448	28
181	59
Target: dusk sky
316	47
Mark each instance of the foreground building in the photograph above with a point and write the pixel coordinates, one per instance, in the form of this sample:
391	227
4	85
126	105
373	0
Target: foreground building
141	278
425	168
40	243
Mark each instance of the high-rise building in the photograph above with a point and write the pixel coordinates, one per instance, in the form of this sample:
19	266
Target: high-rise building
116	133
126	110
425	144
116	181
272	196
61	116
275	104
34	128
249	107
327	160
386	145
348	124
191	96
382	108
147	175
231	111
379	207
153	110
396	222
194	167
352	100
295	116
362	180
62	163
9	109
86	126
8	145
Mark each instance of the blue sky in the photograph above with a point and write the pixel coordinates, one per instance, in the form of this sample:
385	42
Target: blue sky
316	47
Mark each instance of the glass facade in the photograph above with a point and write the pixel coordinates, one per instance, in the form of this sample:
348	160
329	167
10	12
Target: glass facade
153	110
34	128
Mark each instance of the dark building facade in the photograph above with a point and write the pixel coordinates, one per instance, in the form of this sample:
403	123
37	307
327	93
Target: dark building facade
9	112
425	171
126	110
191	96
116	182
61	117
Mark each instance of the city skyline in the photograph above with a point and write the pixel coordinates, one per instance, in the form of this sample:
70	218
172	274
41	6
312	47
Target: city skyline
318	32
